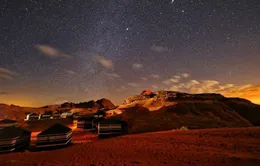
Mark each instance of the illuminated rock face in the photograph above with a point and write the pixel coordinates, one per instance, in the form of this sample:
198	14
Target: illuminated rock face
147	92
170	96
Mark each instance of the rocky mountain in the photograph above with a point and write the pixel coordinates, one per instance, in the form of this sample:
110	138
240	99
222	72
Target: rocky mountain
166	110
19	113
161	110
105	104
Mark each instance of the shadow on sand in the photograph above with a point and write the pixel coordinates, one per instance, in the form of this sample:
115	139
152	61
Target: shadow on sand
109	136
37	149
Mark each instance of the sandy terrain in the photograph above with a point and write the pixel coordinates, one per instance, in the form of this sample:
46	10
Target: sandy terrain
240	146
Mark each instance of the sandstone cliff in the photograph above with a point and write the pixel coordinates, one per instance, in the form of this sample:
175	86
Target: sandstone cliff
165	110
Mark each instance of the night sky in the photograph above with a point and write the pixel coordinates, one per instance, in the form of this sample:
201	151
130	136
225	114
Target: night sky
52	51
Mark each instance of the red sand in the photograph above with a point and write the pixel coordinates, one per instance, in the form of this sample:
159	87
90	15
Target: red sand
240	146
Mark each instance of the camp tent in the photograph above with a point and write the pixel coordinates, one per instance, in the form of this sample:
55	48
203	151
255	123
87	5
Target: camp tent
32	116
14	138
56	135
86	122
111	127
7	123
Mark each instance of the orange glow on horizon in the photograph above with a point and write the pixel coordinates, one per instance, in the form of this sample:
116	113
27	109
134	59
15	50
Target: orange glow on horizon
250	93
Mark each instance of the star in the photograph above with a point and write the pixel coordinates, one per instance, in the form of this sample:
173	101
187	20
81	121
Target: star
49	49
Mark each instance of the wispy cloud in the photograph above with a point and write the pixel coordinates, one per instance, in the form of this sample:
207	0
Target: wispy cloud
7	71
133	84
248	91
224	87
175	88
137	66
155	76
154	87
143	78
190	84
71	72
4	93
50	51
121	88
185	75
86	90
167	82
159	48
103	61
112	75
205	86
174	79
5	76
195	86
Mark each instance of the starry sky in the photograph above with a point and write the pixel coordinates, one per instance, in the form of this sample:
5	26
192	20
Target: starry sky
54	51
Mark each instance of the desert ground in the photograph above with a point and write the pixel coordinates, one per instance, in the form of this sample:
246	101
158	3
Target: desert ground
229	146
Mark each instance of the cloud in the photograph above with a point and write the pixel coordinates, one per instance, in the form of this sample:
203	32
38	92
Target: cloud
204	86
5	76
191	84
195	86
154	86
155	76
174	79
224	87
86	90
133	84
113	75
167	82
121	88
103	61
250	92
50	51
144	78
175	88
137	66
7	71
247	91
4	93
71	72
159	49
185	75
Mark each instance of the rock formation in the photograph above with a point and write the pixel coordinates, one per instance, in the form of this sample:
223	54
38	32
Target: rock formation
165	110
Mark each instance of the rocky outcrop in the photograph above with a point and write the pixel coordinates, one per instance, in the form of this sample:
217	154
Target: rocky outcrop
135	98
19	113
89	104
67	105
105	104
173	96
165	110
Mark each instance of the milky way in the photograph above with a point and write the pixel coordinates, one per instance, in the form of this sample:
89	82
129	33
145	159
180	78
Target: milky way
81	50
